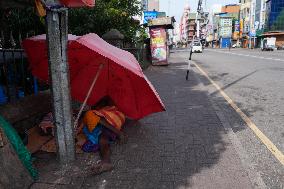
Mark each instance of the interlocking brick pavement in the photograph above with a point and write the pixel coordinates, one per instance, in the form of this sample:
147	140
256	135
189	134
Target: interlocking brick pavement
183	147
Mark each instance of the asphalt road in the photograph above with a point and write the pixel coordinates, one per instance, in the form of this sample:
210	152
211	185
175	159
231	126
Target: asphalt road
254	80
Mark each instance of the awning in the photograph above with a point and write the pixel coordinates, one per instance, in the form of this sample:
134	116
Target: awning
272	33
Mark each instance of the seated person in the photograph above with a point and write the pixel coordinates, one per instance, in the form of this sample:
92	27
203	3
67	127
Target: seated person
101	126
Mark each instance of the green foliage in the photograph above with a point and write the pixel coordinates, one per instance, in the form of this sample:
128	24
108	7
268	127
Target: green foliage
22	20
106	14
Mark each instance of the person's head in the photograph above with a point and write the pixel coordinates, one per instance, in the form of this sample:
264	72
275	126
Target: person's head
105	101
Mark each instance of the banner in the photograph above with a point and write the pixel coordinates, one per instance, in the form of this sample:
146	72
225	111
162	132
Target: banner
158	46
149	15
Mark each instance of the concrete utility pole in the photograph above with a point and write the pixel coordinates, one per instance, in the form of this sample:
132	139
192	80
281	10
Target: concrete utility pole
57	39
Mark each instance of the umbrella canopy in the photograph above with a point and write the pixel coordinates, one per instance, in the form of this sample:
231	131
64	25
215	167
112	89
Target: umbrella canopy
121	77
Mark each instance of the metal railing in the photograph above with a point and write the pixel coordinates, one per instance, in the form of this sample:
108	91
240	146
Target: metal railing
137	52
141	56
16	80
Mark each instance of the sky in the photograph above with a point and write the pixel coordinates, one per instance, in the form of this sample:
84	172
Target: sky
175	7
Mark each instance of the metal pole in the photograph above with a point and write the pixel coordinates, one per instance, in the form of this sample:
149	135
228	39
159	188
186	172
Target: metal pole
57	33
196	27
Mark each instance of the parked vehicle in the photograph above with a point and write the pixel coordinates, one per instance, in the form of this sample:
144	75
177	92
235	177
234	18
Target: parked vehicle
268	44
197	47
280	47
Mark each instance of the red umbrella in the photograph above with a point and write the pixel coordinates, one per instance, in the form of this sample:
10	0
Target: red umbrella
120	78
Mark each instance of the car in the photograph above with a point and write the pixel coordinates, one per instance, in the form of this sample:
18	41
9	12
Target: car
197	47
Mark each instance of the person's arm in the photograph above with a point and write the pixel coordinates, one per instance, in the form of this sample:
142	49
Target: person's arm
80	128
110	127
122	137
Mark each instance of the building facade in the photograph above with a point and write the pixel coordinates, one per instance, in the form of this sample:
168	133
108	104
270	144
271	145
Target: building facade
144	4
184	25
245	20
274	24
275	15
153	5
232	10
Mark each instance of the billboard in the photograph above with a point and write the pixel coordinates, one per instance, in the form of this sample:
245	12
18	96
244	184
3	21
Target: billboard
158	46
149	15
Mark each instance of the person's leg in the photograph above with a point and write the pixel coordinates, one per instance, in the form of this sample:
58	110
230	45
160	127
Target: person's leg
104	148
105	164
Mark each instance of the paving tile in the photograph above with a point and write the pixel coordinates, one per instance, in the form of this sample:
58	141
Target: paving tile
184	147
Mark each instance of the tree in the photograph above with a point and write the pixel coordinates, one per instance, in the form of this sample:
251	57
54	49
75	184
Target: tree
107	14
19	23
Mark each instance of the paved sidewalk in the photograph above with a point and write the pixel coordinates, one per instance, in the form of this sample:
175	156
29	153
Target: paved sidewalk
184	147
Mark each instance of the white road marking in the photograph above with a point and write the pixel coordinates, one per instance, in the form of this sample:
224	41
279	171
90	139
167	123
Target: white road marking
247	55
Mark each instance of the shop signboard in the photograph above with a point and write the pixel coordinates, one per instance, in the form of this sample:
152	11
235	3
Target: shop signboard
246	27
237	26
149	15
161	14
226	22
160	21
158	46
241	27
256	25
225	32
252	33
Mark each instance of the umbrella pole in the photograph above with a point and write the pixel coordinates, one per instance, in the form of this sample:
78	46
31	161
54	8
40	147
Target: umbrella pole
88	95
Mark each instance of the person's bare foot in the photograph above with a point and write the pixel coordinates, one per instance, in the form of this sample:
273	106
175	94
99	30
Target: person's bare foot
102	167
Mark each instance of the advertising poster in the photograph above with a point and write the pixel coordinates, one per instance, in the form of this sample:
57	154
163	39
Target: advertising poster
158	46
